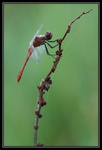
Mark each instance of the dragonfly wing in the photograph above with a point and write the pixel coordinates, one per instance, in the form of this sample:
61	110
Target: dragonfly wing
31	42
36	56
37	53
41	49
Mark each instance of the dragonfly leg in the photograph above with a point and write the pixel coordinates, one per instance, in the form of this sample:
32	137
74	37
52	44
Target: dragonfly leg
53	41
51	46
48	52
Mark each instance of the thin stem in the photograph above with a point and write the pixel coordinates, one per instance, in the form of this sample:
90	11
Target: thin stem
69	26
35	138
45	84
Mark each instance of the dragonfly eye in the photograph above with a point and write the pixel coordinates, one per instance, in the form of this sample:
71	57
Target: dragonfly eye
48	35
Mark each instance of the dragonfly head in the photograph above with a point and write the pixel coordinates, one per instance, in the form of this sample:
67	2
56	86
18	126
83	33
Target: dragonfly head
48	35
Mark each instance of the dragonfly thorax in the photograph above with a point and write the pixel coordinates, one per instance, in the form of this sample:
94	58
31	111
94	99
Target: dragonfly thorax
48	35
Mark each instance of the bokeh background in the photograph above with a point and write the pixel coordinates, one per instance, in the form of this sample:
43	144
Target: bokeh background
70	117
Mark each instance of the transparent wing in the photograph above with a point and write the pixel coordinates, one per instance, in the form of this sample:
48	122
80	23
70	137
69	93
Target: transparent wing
41	49
31	42
37	53
38	50
36	56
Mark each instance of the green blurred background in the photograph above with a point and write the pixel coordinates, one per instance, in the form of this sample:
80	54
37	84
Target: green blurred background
70	117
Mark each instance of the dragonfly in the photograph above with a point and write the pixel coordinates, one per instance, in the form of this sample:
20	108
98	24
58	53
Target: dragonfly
36	47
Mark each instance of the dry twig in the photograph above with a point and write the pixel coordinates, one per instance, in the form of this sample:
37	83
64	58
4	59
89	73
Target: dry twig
45	84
